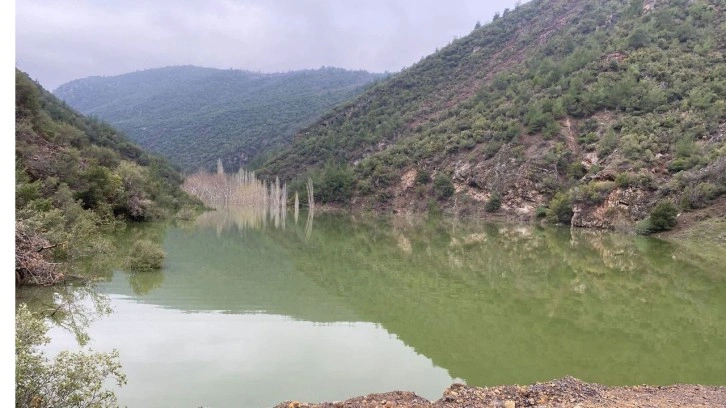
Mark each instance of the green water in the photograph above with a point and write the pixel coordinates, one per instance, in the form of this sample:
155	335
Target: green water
246	314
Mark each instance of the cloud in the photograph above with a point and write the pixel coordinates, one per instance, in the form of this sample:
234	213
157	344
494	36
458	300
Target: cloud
61	40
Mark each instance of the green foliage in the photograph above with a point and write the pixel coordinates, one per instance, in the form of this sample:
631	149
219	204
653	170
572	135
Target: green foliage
77	179
576	170
680	164
700	195
335	185
623	180
443	186
422	177
663	216
638	38
608	143
145	256
229	114
540	212
643	91
594	192
493	203
70	380
560	209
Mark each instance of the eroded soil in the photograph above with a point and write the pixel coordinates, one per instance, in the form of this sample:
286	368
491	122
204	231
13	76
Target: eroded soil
566	392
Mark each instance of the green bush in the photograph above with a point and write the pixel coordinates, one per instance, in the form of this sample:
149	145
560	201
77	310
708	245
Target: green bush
576	170
494	203
364	186
681	164
594	192
560	209
443	186
540	212
663	216
644	227
145	256
422	177
336	184
69	380
623	180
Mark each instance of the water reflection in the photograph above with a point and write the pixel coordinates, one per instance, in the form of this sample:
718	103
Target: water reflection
254	360
241	218
142	283
71	307
423	300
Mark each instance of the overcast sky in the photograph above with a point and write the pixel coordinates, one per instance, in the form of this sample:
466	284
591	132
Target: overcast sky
61	40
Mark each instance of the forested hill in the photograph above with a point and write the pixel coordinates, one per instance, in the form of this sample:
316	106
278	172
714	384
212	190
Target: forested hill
579	110
76	179
194	115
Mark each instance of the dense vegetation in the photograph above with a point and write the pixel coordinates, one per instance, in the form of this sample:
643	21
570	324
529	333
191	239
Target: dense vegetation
69	380
194	115
555	109
77	180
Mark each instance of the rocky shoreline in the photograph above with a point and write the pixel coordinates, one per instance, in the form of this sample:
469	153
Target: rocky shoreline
567	392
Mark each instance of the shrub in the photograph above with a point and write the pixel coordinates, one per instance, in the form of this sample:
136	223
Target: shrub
594	192
443	186
644	227
494	203
663	216
422	177
623	180
560	209
577	170
364	186
186	213
336	184
70	380
540	212
145	256
676	165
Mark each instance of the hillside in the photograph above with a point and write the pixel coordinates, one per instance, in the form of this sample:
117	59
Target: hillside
76	181
582	111
193	115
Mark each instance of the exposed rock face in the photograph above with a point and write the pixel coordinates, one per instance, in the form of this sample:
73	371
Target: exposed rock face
621	208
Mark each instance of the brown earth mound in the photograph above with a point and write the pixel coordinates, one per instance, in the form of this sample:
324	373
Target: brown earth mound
566	392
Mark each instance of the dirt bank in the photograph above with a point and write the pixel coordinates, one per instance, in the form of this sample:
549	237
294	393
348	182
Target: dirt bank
566	392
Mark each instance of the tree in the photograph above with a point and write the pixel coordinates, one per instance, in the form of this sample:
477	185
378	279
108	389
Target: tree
70	380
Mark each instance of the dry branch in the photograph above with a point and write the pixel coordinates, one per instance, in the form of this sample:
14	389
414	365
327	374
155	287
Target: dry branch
31	267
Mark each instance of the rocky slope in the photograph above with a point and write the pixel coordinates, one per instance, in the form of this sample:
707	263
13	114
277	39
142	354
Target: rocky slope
581	111
567	392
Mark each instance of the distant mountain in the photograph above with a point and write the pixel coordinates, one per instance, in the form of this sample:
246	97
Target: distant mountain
584	111
195	115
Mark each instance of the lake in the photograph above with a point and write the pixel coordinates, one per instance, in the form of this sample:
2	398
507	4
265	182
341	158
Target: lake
252	312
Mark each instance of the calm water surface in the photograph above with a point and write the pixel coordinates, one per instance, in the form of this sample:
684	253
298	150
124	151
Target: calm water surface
251	314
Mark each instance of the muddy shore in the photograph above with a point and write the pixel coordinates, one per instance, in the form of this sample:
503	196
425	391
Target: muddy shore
567	392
